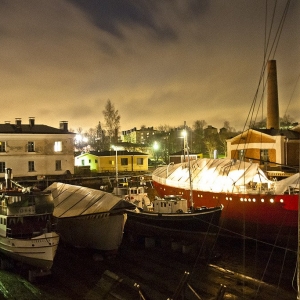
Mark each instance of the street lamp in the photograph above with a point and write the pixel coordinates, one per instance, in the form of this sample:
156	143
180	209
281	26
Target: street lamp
184	135
186	148
116	167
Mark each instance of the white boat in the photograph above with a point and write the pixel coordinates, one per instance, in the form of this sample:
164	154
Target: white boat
89	218
26	231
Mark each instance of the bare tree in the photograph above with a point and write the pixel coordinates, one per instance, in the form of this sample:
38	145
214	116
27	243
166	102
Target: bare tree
286	121
112	121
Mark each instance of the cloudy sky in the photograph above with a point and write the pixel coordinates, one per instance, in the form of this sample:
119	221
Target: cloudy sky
159	62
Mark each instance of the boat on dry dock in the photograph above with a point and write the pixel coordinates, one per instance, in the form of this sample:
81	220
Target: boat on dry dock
171	216
253	204
89	218
26	224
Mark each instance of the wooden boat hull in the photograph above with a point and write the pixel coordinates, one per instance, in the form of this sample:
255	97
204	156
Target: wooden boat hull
38	251
188	226
103	231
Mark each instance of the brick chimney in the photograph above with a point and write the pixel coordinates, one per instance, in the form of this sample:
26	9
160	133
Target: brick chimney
31	121
272	99
18	122
63	125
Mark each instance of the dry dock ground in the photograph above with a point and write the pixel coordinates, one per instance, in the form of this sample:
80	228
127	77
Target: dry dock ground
160	270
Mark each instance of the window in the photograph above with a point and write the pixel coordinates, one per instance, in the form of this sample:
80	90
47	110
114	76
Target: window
30	146
57	146
140	161
124	161
96	161
57	165
264	155
82	162
241	154
2	167
2	146
30	166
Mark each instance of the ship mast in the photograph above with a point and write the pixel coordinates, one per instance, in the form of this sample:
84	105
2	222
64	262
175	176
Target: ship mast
186	148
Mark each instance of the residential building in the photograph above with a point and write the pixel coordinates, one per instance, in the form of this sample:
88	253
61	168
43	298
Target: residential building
100	162
33	150
210	130
143	136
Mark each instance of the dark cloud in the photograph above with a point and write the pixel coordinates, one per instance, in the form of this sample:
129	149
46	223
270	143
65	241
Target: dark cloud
110	15
160	62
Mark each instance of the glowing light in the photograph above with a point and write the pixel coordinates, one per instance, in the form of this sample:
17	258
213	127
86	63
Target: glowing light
281	201
262	200
254	200
272	200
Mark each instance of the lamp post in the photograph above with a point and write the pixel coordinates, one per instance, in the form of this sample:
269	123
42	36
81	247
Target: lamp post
184	135
186	148
116	167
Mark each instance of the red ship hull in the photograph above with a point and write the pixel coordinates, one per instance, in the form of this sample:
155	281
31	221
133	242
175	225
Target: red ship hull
272	218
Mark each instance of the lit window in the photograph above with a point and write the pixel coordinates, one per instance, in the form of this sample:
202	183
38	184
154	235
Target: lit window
140	161
58	146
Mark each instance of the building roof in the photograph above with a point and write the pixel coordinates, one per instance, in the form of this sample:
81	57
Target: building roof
290	134
181	153
113	153
31	129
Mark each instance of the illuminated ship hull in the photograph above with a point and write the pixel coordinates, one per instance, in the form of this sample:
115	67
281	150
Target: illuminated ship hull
254	207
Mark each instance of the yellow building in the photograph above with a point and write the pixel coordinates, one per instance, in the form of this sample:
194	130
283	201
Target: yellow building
101	162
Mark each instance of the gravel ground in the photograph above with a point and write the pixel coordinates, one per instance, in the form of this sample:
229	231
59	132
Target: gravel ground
159	271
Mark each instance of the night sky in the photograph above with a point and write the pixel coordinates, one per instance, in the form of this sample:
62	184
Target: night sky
159	62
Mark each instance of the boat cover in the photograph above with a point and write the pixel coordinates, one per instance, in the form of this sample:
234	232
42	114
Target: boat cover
72	200
285	185
214	175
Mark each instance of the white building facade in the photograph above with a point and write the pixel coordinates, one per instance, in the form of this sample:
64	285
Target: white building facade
32	150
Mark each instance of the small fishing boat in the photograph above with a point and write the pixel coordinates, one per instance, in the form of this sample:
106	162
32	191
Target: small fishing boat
26	224
171	215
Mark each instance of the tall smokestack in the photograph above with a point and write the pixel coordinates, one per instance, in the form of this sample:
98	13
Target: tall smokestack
272	103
